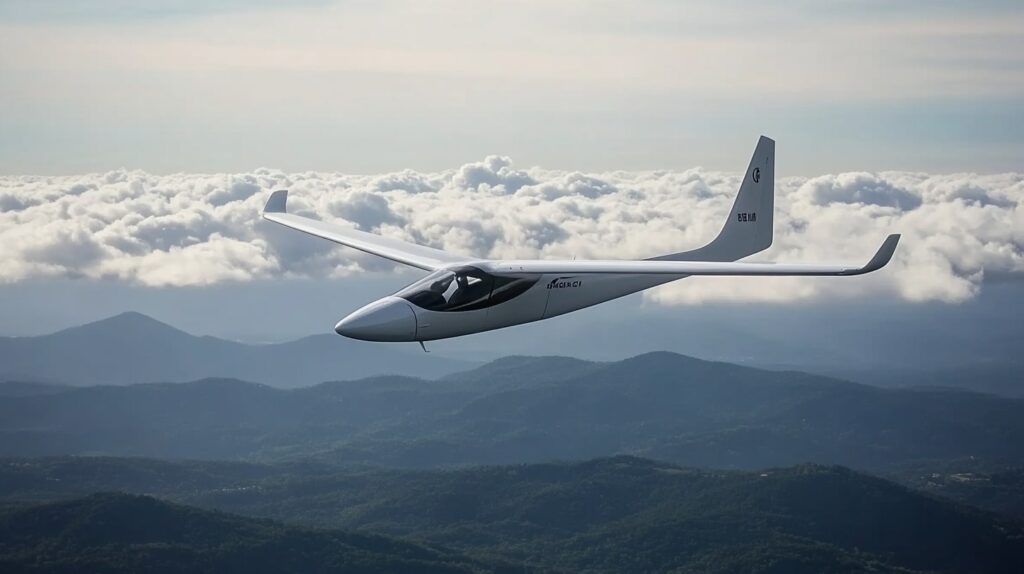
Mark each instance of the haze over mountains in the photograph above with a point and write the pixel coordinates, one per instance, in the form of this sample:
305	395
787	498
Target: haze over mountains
661	405
133	348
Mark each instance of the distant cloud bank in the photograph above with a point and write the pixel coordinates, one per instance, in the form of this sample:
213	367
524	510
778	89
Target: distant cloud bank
192	229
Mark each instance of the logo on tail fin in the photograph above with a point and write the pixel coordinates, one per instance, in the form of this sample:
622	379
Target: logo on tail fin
756	175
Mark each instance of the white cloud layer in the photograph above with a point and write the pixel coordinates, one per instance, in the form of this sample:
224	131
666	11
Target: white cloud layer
187	229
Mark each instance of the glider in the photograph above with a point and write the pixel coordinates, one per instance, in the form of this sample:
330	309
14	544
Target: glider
464	295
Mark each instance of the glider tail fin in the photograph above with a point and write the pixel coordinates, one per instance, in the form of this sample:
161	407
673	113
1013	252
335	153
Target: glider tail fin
749	227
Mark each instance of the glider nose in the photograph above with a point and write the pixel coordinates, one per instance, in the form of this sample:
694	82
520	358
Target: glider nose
387	319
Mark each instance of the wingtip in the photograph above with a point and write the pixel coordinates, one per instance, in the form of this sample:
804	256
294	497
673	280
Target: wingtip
884	254
278	202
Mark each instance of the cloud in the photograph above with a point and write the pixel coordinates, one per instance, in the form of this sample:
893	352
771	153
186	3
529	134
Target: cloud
494	174
200	229
859	188
368	211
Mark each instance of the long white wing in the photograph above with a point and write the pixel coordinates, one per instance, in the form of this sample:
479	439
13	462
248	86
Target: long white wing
880	259
408	253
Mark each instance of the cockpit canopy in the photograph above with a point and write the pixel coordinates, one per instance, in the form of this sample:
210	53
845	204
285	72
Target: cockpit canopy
465	289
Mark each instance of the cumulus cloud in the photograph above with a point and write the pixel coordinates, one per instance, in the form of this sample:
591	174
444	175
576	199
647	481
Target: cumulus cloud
185	229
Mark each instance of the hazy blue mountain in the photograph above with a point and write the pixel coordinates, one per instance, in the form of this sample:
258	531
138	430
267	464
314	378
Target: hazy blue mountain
1001	378
620	514
660	405
24	388
134	348
519	371
125	533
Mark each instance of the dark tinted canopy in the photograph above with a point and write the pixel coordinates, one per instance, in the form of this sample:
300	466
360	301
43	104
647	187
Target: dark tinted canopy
464	289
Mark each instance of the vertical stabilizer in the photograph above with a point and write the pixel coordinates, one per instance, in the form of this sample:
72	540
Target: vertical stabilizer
749	227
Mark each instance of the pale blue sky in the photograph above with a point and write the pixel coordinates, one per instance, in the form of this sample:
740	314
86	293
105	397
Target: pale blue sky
365	87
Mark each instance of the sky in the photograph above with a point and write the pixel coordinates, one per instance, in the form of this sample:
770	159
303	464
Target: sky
138	142
368	87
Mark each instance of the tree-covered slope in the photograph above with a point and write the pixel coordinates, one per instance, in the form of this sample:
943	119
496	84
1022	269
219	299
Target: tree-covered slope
620	514
126	533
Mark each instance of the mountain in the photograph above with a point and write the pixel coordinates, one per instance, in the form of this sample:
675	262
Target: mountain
518	371
1004	378
620	514
134	348
125	533
660	405
24	388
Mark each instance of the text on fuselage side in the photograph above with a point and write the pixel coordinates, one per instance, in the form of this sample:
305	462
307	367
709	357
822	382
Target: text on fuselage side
564	283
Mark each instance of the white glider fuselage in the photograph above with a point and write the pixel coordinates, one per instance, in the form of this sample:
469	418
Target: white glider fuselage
479	301
464	295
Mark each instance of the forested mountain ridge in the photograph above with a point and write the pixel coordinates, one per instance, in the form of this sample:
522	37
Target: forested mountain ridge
659	405
125	533
620	514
